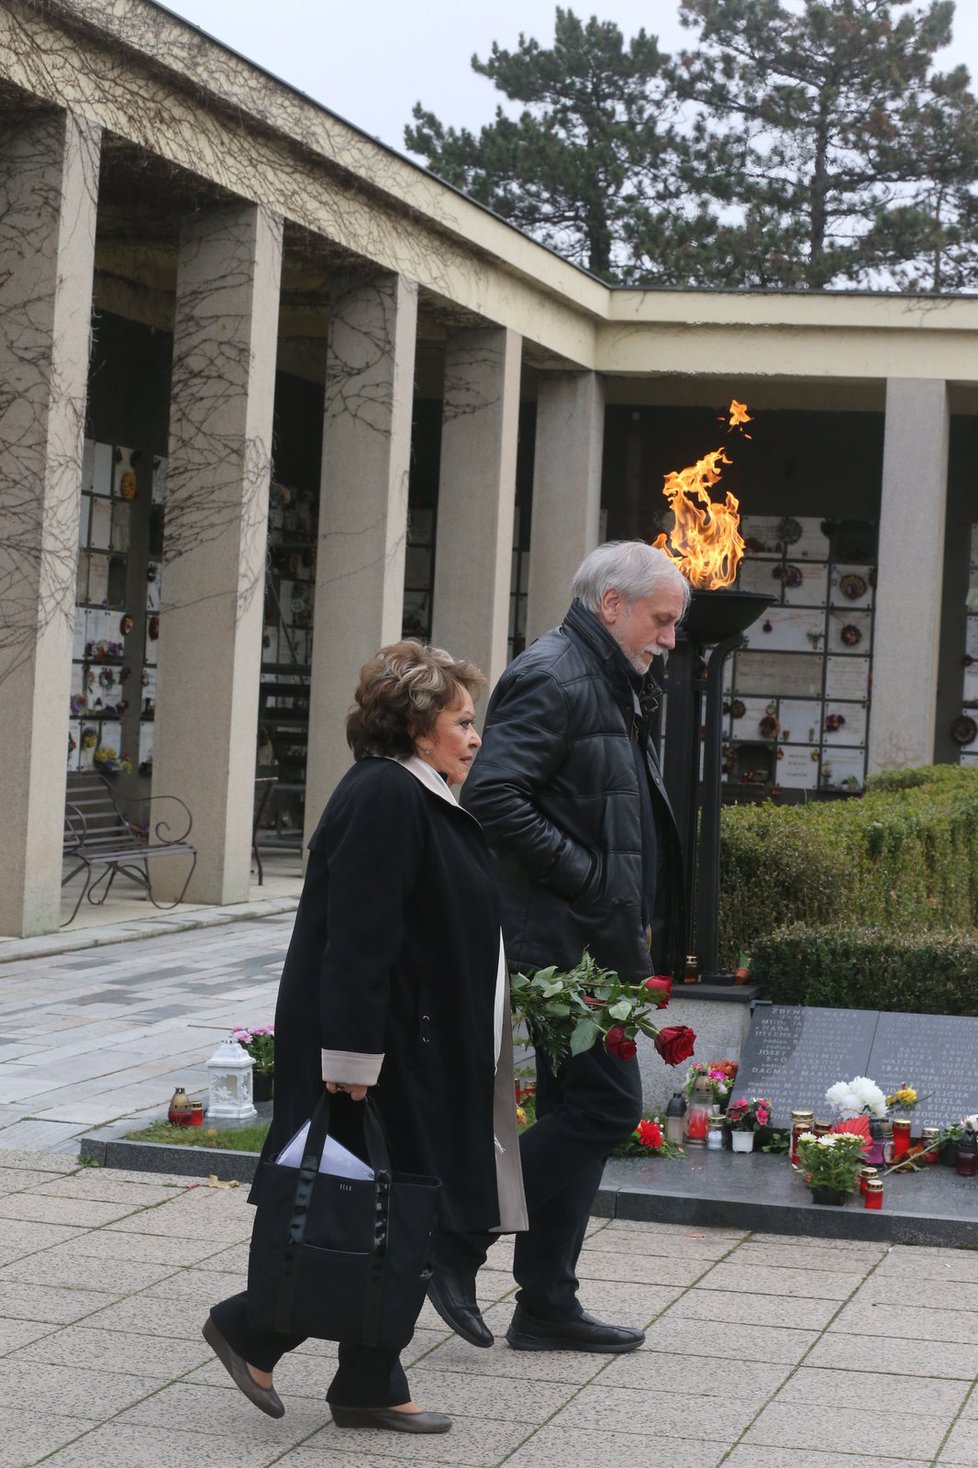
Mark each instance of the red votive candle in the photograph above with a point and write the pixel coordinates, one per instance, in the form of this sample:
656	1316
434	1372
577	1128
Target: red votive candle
874	1193
901	1139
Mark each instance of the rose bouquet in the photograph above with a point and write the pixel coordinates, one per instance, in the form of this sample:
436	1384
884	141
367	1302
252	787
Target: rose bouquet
259	1042
749	1116
567	1012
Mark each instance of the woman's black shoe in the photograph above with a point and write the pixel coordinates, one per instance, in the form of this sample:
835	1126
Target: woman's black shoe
265	1398
390	1419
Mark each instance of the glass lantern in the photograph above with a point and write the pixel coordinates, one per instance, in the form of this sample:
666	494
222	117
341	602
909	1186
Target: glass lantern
230	1081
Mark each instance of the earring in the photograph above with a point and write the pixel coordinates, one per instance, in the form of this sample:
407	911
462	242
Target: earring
425	748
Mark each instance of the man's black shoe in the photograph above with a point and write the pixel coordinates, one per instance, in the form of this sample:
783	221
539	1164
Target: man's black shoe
452	1293
580	1333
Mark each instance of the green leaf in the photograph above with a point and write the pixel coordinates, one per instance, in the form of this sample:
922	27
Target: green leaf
561	1009
622	1010
584	1034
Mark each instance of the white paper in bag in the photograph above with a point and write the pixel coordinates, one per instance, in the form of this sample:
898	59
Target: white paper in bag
335	1159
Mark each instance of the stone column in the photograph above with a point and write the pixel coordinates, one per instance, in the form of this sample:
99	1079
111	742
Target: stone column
566	492
363	507
476	497
216	513
909	575
48	196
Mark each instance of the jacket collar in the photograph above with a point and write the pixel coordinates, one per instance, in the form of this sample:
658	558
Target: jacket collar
585	627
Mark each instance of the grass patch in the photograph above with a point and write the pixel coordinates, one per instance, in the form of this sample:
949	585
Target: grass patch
227	1139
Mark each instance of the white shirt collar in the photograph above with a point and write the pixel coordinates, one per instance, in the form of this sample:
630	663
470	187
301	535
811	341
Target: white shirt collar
422	771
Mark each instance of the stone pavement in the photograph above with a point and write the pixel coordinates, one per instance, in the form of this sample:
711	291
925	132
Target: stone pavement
97	1033
761	1351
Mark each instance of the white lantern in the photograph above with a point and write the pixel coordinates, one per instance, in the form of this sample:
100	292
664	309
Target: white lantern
229	1091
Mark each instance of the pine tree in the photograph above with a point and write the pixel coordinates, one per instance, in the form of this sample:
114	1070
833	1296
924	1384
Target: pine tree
807	103
595	141
927	238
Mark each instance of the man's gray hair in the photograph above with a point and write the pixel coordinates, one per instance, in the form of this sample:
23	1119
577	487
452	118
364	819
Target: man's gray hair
631	567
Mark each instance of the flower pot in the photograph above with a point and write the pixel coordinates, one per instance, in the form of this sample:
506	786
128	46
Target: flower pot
949	1153
262	1087
833	1197
742	1141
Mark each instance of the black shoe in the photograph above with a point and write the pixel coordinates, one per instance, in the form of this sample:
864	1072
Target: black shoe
452	1293
265	1398
387	1417
579	1333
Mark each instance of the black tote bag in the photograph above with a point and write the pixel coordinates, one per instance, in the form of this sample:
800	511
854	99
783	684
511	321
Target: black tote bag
337	1258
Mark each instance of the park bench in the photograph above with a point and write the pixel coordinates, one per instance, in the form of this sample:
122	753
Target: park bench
98	835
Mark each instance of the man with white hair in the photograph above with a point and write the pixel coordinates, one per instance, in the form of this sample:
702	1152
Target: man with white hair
568	790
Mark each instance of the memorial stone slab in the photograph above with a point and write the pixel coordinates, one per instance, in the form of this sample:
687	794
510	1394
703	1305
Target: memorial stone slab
937	1054
793	1053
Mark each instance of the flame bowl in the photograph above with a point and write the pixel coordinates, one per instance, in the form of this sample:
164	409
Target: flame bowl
715	615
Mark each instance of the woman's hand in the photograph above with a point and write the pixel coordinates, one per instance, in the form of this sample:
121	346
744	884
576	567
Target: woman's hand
355	1093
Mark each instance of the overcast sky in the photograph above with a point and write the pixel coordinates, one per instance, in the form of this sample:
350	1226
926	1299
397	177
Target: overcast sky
370	63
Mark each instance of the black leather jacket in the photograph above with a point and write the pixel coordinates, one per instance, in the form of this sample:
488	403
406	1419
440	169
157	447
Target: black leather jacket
555	787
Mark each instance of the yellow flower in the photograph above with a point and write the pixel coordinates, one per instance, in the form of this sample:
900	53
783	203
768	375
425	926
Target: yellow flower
520	1116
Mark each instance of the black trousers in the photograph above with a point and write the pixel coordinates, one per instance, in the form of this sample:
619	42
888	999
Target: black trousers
583	1112
367	1376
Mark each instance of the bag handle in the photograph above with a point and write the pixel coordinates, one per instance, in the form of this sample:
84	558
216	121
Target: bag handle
374	1136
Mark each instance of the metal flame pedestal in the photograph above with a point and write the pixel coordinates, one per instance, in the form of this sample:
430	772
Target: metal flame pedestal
694	686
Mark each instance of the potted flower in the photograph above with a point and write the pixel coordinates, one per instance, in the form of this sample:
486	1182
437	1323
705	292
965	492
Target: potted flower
745	1119
830	1164
258	1041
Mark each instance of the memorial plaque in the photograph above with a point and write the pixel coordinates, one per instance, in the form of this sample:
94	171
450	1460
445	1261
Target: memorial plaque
793	1054
793	629
797	769
937	1054
851	586
813	590
852	730
774	674
846	677
758	575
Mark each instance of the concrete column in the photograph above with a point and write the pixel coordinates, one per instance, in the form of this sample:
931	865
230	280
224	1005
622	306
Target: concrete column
363	507
909	575
216	513
566	492
48	196
476	497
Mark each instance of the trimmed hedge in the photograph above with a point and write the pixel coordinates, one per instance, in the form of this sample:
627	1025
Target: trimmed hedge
869	968
902	860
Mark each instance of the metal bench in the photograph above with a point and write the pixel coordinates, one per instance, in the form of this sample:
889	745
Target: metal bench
97	834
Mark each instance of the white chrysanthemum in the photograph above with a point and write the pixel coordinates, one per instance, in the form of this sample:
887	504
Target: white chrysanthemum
807	1137
837	1095
828	1140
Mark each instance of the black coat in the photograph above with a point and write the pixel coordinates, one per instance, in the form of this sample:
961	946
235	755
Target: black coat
555	787
395	951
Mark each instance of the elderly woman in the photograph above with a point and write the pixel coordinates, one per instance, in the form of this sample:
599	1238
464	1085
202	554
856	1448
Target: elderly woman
395	980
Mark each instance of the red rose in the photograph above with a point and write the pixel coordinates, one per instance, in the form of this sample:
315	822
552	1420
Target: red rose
617	1043
659	984
675	1043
